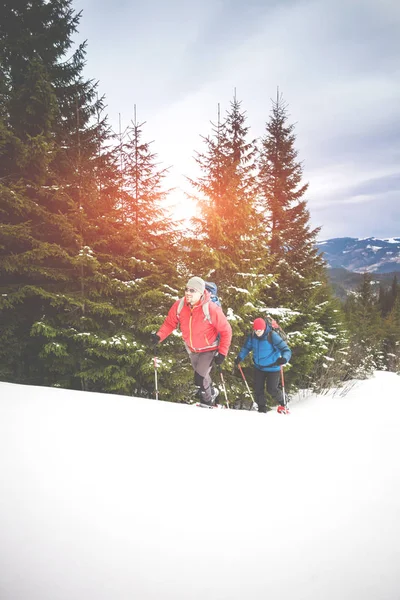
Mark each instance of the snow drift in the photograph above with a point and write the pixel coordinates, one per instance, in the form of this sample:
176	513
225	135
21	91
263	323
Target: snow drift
114	498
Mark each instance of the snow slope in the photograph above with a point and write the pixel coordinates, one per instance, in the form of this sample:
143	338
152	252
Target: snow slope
113	498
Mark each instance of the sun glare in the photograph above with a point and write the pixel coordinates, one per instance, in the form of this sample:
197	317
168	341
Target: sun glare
180	206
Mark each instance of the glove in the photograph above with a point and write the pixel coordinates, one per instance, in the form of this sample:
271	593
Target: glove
154	339
281	361
237	361
219	359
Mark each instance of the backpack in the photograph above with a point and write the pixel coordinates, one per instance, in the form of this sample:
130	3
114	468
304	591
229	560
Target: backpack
210	287
275	327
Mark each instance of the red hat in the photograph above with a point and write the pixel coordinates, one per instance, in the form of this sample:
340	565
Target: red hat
259	324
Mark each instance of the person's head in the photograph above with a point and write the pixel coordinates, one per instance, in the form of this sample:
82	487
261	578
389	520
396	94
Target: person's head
194	290
259	326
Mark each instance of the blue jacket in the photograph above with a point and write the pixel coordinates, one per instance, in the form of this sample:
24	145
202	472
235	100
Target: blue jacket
265	353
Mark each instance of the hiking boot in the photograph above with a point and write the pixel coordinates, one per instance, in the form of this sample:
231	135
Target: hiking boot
211	402
214	395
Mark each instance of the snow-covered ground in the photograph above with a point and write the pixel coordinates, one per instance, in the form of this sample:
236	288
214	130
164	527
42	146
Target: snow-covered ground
113	498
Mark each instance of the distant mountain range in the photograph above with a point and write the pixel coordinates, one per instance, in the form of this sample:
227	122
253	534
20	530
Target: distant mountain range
348	258
371	255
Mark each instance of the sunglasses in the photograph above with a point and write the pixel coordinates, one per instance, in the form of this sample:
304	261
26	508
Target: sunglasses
191	290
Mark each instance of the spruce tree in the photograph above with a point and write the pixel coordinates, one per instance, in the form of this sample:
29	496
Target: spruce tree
290	244
143	183
226	246
291	240
30	255
391	337
382	299
226	193
225	240
154	248
394	290
364	322
65	277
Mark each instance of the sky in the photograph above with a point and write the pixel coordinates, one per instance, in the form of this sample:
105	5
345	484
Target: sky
337	64
114	498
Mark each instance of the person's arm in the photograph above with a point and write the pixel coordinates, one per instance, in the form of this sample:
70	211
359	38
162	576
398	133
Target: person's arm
244	351
222	327
170	323
281	345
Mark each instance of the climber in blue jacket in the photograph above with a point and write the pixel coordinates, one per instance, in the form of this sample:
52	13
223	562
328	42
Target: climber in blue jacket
270	352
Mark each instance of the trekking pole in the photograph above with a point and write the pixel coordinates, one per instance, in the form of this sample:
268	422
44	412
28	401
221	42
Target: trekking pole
247	385
155	375
283	388
224	387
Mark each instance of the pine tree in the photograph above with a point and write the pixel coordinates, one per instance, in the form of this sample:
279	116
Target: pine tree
224	244
154	248
394	290
290	244
227	193
143	179
382	299
365	325
319	341
391	338
65	276
291	240
227	244
30	256
391	327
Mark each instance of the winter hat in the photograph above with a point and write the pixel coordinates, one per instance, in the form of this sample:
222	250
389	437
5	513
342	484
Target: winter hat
197	283
259	323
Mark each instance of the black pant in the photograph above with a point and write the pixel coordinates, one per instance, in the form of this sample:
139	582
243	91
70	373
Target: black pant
273	379
202	363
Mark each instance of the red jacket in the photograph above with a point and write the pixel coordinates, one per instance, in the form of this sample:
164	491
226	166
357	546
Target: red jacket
198	333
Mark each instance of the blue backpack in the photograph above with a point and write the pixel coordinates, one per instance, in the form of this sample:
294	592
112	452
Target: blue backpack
212	288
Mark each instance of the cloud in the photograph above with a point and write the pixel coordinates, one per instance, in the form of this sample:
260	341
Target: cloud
366	216
379	185
336	62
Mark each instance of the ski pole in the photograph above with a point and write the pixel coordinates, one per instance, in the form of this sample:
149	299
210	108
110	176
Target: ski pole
247	385
224	387
283	388
155	376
